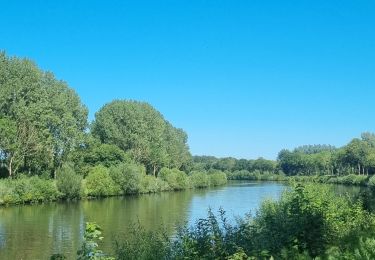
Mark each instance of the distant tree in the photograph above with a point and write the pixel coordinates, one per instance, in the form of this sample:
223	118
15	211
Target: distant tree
313	149
225	164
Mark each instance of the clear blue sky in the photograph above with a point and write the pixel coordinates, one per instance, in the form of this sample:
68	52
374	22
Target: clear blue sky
243	78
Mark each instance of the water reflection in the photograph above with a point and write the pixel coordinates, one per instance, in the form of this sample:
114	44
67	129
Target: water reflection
36	232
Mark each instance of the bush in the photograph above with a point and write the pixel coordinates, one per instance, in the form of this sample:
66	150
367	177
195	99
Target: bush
199	180
27	190
217	178
176	179
143	244
150	184
128	177
69	183
99	183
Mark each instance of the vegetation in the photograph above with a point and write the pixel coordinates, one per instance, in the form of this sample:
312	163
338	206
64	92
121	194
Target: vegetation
308	222
41	118
48	152
99	183
89	249
27	190
69	183
140	130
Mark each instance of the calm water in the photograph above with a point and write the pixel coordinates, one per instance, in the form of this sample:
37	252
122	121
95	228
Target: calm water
37	231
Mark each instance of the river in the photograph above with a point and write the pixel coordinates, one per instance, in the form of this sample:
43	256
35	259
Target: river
38	231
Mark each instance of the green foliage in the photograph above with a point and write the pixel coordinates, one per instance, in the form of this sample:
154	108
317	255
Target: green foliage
128	177
205	163
142	244
217	178
69	183
44	119
209	238
177	180
27	190
310	219
139	129
150	184
90	247
256	176
93	153
99	182
199	180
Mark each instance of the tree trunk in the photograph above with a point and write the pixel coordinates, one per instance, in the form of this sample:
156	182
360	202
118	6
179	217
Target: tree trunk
10	167
154	171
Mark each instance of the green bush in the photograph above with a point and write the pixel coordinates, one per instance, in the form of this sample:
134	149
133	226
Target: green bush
99	183
199	180
128	177
143	244
27	190
69	183
217	178
150	184
176	179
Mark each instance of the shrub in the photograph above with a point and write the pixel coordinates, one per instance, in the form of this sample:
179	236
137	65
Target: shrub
217	178
128	177
99	183
199	180
150	184
27	190
142	244
176	179
69	183
89	249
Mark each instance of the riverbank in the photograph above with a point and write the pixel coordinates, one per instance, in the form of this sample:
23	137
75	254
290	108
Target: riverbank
350	179
37	231
100	183
307	222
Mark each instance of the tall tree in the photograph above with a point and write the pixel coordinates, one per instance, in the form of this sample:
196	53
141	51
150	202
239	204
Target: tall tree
43	109
139	129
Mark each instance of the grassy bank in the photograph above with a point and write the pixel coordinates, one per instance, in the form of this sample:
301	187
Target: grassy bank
120	180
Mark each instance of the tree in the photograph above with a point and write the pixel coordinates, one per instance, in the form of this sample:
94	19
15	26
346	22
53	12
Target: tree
355	154
19	144
44	110
140	130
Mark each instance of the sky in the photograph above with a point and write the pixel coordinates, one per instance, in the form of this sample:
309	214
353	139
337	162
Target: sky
243	78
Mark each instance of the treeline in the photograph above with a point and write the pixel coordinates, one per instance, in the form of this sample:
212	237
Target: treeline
232	164
308	222
49	151
355	158
43	125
